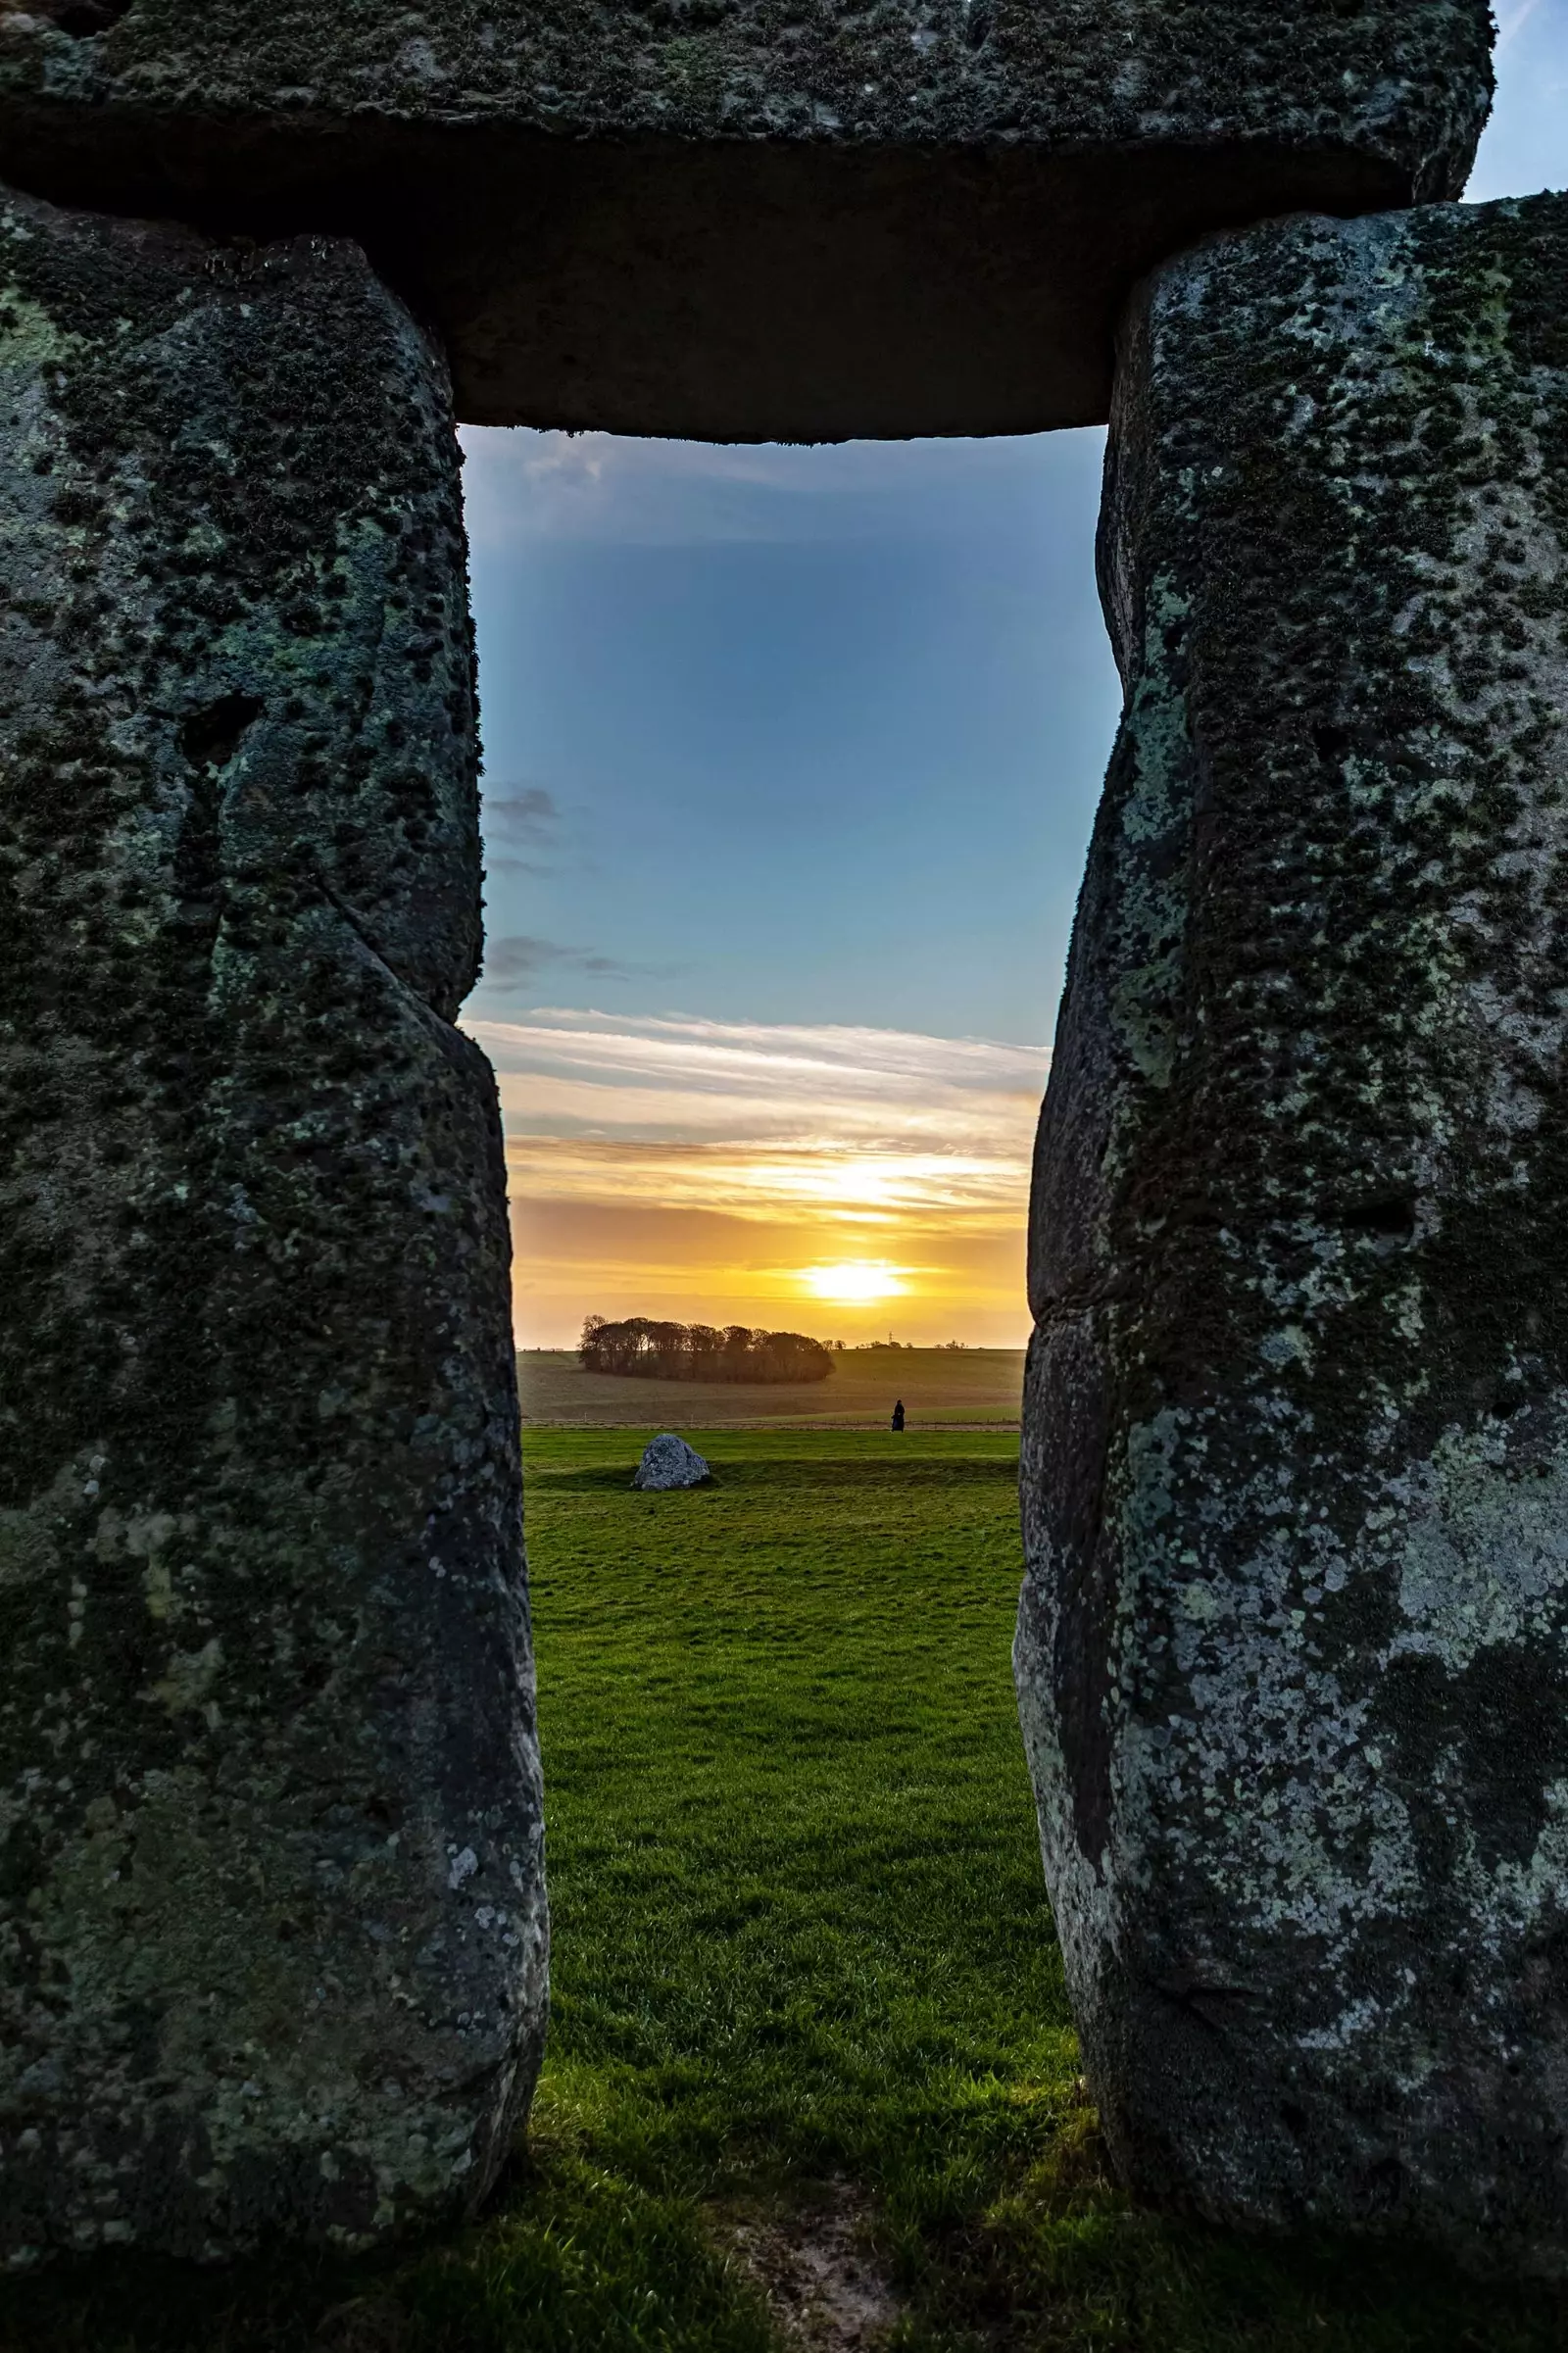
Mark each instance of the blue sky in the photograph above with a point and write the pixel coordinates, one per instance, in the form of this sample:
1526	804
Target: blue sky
795	743
791	734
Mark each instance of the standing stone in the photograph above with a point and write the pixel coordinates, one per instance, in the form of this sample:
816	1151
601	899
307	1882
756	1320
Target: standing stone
745	220
1292	1651
272	1914
668	1461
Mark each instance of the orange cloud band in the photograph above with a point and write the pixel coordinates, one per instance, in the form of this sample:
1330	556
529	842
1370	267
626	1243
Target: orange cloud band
747	1172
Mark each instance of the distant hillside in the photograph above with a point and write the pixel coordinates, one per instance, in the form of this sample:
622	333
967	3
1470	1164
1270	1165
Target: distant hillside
941	1389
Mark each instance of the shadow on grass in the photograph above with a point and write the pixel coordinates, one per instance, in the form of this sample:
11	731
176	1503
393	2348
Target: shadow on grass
617	1481
903	1475
570	2259
575	2258
1066	2263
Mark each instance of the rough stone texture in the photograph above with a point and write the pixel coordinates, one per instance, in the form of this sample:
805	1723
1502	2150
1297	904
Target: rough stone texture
1293	1651
752	219
668	1461
271	1921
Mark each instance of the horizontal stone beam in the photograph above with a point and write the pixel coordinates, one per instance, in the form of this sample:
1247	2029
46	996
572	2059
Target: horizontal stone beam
1292	1651
271	1911
740	220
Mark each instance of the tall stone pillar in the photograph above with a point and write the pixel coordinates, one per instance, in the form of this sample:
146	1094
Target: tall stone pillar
271	1913
1293	1651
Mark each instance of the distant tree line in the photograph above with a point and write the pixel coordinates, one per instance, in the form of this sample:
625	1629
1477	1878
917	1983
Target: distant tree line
660	1351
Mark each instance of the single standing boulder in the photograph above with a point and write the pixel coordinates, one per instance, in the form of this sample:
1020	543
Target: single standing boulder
746	221
668	1461
272	1907
1292	1651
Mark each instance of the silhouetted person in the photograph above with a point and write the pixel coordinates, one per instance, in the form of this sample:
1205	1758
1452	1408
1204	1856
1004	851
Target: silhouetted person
898	1415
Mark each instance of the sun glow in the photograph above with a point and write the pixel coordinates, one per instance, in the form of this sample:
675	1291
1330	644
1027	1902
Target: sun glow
855	1281
782	1176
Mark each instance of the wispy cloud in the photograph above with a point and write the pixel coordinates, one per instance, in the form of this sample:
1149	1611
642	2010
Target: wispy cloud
522	828
827	1176
853	1126
527	486
522	957
1511	21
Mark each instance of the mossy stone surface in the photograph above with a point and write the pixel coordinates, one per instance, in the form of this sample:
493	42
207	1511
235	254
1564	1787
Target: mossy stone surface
1292	1649
271	1912
752	219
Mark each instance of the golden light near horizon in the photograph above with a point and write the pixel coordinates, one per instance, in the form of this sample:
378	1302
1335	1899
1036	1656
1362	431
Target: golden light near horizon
855	1281
698	1171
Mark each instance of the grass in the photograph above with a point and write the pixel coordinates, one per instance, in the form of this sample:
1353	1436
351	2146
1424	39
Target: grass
800	1939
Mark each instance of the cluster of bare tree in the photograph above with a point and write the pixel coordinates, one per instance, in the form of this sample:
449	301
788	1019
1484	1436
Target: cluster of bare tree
657	1352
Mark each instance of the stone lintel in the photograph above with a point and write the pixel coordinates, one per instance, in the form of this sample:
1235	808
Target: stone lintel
736	219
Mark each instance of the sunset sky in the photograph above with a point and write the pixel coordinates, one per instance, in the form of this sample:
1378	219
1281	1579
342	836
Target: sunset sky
792	756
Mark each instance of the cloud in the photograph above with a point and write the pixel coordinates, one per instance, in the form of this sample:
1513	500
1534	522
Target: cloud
859	1127
1511	21
519	957
844	1185
770	1076
523	808
737	1171
523	956
525	486
526	820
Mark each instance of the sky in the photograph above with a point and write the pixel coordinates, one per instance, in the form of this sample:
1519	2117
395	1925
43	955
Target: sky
792	756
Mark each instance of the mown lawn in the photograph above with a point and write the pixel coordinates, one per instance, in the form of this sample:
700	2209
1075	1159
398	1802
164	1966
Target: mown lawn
801	1941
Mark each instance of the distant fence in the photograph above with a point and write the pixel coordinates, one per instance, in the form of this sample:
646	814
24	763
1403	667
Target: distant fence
660	1351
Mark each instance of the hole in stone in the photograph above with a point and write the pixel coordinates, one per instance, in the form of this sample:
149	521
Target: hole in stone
210	738
1391	1220
1381	2185
1330	743
82	19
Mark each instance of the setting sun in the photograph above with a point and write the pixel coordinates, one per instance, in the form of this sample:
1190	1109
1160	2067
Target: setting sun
700	1171
852	1281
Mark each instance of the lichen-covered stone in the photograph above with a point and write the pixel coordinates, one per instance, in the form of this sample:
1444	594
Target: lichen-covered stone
271	1923
1292	1651
668	1461
752	219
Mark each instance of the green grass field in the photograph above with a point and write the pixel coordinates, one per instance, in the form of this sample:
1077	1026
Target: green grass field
803	1954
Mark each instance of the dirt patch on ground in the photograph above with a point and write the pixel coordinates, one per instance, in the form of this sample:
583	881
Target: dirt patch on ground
815	2267
374	2323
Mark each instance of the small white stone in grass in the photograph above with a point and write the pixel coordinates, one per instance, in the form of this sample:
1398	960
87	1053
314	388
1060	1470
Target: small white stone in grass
668	1461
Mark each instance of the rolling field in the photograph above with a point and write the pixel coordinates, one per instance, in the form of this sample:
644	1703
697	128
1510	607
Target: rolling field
941	1387
810	2023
